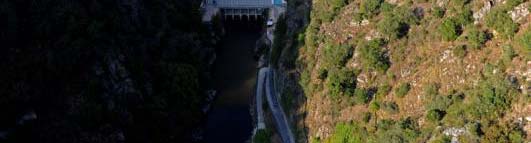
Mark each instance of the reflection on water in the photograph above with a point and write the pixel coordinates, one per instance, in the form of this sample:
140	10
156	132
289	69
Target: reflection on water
235	75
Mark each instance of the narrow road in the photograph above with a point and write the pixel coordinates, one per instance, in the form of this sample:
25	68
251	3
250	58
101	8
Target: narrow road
259	96
281	121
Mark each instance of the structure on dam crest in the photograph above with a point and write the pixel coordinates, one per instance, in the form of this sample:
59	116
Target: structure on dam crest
237	8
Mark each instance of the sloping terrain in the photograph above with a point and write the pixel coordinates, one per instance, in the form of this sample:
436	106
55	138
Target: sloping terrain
411	71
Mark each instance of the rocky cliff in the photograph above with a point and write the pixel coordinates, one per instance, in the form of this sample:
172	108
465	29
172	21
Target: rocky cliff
101	71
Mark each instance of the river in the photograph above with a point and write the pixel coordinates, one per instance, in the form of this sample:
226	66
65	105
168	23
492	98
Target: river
234	75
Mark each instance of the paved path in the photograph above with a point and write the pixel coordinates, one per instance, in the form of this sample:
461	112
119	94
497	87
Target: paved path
259	97
240	3
281	121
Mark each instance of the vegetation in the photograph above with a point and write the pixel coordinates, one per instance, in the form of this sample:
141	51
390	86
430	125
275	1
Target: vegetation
435	115
475	94
476	38
280	39
369	8
361	96
438	12
390	107
348	133
102	71
525	41
460	51
337	56
372	55
449	30
499	20
263	136
402	90
341	81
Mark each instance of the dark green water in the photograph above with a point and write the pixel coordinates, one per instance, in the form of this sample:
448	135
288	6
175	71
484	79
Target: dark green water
234	75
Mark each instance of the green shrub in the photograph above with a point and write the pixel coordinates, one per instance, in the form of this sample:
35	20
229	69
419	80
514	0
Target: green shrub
459	51
339	81
386	7
438	12
512	3
366	117
337	56
391	26
369	8
449	30
476	38
391	107
383	90
336	7
525	41
499	20
442	139
372	55
374	106
430	90
322	73
464	17
508	53
361	96
435	115
459	3
262	136
348	133
402	90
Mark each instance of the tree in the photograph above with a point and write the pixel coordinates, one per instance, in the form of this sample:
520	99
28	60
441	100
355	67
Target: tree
402	90
459	51
435	115
449	30
368	8
262	136
476	38
372	55
337	56
341	80
499	20
361	96
438	12
391	107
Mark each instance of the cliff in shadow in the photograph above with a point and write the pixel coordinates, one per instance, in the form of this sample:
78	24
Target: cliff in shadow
101	71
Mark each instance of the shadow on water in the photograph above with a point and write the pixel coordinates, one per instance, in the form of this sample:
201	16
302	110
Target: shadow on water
234	75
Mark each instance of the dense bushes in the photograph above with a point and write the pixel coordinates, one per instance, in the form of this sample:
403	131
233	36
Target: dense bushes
459	51
476	38
402	90
438	12
348	133
361	96
372	55
434	115
499	20
396	21
525	41
341	81
390	107
449	30
369	8
508	53
103	70
337	56
262	136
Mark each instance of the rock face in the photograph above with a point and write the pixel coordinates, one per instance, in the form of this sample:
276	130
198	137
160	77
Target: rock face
520	13
102	71
487	5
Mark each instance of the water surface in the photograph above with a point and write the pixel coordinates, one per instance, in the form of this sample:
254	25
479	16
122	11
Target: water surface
234	75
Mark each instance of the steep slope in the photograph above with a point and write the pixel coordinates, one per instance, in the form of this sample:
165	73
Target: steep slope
412	71
101	71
